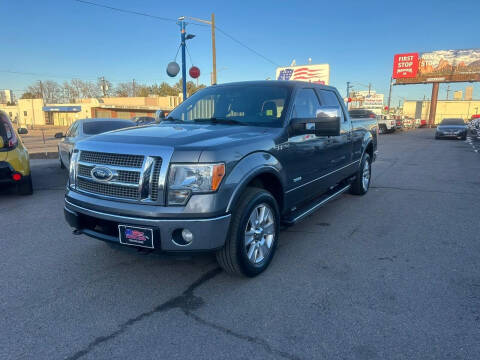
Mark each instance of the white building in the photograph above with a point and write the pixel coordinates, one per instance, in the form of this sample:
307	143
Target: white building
370	100
6	96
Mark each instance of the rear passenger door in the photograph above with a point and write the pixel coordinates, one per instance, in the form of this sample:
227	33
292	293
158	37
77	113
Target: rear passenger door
340	147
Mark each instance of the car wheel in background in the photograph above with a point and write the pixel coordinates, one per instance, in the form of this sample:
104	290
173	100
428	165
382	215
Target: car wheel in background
253	234
25	187
361	184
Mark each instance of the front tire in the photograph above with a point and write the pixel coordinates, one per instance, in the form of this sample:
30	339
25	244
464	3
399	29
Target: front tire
253	234
361	184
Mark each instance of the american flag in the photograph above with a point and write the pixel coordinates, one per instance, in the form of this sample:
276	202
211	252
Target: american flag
135	235
301	73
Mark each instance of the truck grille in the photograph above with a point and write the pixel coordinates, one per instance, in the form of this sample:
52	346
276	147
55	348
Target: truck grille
129	177
126	183
111	190
155	178
123	160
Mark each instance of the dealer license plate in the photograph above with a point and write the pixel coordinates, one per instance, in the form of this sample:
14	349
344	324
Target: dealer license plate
136	236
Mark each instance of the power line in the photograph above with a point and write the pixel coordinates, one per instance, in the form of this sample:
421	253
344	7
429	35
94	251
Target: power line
125	11
246	46
174	20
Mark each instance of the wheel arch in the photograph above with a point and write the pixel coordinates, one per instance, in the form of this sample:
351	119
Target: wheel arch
263	175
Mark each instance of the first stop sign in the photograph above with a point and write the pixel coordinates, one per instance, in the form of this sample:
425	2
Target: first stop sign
405	65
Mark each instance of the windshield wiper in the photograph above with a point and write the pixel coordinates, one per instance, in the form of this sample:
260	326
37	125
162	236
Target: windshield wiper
216	120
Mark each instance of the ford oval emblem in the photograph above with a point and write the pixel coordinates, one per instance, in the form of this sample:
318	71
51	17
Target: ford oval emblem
101	173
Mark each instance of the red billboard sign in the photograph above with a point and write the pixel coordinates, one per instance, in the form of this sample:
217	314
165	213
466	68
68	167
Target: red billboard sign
437	66
405	65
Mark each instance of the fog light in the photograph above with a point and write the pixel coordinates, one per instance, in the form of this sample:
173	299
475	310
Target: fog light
187	235
182	237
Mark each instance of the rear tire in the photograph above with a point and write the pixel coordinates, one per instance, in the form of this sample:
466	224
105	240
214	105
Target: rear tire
25	187
253	234
361	184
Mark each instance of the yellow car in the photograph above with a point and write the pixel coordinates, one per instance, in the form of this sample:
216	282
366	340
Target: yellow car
14	159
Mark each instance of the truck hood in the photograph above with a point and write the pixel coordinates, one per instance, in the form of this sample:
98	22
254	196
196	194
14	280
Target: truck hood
186	136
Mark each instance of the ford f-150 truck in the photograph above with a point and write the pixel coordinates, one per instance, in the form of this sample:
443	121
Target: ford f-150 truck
221	172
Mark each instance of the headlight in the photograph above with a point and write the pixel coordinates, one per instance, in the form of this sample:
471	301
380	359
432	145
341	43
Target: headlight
187	179
73	169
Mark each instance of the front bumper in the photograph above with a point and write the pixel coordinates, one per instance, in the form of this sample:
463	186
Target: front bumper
450	135
209	233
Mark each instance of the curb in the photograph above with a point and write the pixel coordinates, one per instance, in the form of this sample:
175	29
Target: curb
45	155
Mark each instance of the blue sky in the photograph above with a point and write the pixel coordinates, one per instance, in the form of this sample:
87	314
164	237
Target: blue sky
61	39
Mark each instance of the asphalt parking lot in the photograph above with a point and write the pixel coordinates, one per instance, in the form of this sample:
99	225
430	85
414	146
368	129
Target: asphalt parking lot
391	275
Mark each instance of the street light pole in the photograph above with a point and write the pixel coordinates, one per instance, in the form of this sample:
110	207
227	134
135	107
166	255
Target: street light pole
184	66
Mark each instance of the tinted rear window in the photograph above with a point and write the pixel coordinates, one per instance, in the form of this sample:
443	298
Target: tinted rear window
452	122
361	114
98	127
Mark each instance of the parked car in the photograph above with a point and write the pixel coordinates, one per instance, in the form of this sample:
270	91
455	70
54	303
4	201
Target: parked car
143	120
399	124
222	171
14	158
408	123
82	129
455	128
385	125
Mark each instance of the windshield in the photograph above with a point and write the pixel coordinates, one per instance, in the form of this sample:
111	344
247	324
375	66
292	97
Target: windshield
452	122
243	105
98	127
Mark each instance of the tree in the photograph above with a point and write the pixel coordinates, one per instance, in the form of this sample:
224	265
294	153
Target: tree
124	89
52	91
30	95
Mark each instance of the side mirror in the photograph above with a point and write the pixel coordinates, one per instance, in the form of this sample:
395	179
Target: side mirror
159	115
326	122
59	135
22	131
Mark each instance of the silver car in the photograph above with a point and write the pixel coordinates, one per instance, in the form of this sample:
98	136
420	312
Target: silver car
82	129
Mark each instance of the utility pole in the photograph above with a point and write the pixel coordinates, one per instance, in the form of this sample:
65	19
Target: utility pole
214	52
390	95
348	92
369	87
41	90
133	88
214	49
103	86
448	90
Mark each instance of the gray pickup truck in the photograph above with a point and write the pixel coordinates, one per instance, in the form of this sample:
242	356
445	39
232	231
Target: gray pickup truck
221	172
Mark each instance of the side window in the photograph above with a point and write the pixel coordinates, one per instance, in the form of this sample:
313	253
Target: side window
306	104
329	98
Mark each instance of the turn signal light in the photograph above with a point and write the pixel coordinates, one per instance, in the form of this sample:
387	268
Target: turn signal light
217	175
